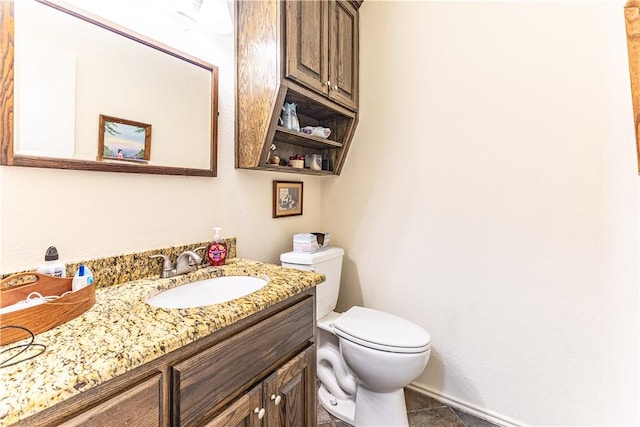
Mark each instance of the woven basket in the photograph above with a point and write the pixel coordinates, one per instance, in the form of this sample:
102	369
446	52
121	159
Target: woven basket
42	317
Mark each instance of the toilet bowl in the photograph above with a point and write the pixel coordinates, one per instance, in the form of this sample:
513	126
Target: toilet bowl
365	357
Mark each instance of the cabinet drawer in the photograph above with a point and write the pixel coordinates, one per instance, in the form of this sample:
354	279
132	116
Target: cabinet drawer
208	380
140	405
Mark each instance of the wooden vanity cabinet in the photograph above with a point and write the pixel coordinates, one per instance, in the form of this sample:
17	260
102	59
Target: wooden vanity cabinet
206	382
281	400
137	398
139	405
288	392
302	52
259	371
241	413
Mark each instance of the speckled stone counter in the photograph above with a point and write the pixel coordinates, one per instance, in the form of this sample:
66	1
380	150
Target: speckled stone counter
122	332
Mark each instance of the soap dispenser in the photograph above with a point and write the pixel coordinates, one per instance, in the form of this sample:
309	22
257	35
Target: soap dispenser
217	250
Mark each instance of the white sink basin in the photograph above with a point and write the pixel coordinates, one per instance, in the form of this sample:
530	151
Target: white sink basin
207	292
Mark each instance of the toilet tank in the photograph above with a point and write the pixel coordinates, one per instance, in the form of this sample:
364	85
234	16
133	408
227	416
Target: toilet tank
327	262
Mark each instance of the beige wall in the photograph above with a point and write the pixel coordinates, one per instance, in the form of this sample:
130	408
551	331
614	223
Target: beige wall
92	214
491	195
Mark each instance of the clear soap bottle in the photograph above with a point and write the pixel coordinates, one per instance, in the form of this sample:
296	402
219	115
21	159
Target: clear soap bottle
217	250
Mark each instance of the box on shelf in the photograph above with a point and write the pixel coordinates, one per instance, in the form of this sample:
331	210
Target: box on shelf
310	242
313	162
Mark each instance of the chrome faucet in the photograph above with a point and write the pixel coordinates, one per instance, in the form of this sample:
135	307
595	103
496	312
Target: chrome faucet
187	262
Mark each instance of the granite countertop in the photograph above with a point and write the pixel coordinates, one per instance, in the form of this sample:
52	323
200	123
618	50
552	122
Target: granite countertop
121	332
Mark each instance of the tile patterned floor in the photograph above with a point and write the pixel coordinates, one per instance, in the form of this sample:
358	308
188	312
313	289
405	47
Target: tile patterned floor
422	411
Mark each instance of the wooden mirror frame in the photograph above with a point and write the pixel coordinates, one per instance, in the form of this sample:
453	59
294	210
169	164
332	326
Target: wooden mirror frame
7	156
632	24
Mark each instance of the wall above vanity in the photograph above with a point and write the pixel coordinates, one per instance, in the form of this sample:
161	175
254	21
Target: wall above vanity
95	67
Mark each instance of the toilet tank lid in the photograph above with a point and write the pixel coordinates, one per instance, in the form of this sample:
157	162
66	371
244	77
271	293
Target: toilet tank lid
381	330
304	258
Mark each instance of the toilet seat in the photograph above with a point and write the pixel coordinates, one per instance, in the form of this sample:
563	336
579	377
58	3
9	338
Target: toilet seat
381	331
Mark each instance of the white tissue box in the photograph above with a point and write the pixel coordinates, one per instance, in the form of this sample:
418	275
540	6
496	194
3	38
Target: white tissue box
310	242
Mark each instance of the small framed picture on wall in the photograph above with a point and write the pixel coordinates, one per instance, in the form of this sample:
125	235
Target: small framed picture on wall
287	198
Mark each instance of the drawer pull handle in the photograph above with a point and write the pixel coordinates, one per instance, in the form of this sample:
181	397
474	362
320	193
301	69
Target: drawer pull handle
260	412
276	399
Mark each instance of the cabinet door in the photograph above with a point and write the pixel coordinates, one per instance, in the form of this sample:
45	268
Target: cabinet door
307	44
140	405
343	53
290	393
244	412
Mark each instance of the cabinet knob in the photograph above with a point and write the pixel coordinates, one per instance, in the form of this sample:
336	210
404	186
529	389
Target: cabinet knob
328	83
335	87
276	399
260	412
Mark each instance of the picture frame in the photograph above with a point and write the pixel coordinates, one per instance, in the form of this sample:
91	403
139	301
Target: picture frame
123	140
287	198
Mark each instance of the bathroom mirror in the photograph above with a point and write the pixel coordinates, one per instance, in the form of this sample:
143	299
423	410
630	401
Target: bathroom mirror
62	69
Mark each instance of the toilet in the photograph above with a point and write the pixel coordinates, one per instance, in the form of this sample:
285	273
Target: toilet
365	357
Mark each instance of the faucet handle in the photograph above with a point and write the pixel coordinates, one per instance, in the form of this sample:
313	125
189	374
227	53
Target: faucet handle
166	264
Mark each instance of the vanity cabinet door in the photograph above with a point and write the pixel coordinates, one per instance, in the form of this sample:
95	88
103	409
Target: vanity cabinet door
137	406
242	412
290	393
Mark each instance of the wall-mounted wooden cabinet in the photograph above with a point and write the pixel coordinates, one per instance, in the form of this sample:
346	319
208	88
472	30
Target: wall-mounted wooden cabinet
305	52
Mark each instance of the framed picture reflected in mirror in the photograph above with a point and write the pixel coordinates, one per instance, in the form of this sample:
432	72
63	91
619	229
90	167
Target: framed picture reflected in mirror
122	139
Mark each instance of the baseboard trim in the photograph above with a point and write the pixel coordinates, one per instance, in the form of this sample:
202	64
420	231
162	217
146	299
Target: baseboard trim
463	406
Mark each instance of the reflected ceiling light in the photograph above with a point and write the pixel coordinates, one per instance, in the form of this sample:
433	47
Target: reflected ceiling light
215	14
210	16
